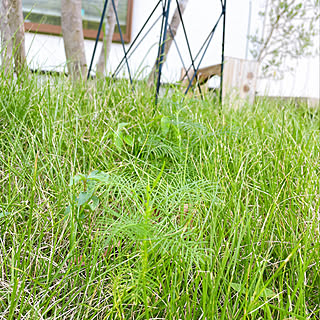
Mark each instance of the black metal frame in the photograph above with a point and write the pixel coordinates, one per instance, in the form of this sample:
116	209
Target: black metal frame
165	27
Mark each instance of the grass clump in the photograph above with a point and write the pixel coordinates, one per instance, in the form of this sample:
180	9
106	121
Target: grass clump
112	209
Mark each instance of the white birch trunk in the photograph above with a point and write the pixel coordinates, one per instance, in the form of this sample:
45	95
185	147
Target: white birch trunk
107	39
174	24
71	23
5	35
12	35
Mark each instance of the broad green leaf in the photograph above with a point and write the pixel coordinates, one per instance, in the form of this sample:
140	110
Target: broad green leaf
267	293
128	140
118	140
98	176
93	173
95	203
118	136
84	197
237	287
122	125
91	184
79	177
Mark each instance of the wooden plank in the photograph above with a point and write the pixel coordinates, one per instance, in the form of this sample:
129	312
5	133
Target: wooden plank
203	74
239	79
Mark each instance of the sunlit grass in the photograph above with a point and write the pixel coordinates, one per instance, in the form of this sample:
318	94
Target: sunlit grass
201	212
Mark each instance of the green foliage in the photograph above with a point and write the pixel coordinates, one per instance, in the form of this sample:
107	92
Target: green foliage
265	293
290	28
120	138
86	198
190	211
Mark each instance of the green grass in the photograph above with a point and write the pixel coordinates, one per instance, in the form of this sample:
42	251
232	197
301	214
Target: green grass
195	212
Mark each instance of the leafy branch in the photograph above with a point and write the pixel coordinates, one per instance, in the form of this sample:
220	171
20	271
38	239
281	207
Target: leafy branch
291	27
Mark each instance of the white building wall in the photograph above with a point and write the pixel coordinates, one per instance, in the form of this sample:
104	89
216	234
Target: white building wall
47	52
304	78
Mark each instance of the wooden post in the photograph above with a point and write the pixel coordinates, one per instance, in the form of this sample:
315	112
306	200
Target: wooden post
239	79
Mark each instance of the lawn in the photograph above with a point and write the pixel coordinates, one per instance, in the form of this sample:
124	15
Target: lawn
112	208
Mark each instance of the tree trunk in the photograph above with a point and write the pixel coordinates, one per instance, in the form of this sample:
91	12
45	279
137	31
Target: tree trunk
173	26
71	23
12	35
5	35
107	39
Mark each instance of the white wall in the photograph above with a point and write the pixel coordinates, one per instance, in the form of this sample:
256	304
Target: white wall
302	81
47	52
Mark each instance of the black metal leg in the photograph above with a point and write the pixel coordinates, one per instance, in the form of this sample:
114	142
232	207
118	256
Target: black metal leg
161	51
98	35
222	50
122	41
189	49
